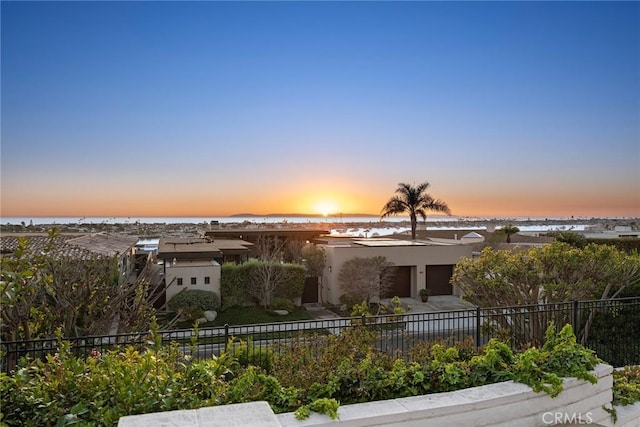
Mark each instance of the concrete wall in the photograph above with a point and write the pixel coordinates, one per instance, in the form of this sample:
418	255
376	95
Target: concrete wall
188	269
416	257
504	404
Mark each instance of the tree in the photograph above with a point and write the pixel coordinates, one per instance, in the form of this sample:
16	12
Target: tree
21	282
363	279
554	273
509	230
40	292
415	201
315	259
268	273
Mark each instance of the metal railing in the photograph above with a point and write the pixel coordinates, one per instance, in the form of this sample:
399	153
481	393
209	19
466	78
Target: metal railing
609	327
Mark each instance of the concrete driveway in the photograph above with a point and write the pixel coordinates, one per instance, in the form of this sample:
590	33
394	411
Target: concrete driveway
435	303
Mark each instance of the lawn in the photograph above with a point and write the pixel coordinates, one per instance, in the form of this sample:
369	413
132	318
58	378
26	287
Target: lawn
252	315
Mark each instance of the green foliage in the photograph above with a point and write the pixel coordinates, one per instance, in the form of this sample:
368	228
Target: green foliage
626	385
99	390
246	353
193	302
314	258
292	284
560	356
279	303
311	373
236	281
630	245
615	333
252	385
574	239
322	406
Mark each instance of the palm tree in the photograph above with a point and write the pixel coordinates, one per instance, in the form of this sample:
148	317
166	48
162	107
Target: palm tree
415	201
508	230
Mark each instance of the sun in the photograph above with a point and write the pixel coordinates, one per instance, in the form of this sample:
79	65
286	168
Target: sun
325	207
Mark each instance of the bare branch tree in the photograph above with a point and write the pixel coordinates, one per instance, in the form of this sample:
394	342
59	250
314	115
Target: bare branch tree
365	279
268	272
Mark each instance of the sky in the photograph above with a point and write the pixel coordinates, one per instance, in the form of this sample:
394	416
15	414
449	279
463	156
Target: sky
218	108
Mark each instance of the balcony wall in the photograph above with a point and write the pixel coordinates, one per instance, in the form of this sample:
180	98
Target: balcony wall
498	405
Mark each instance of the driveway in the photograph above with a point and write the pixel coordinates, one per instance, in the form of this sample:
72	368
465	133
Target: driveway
435	304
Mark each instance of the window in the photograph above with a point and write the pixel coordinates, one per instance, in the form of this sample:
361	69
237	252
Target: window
194	281
179	281
207	280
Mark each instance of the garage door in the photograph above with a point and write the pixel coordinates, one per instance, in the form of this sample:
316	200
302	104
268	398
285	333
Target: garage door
402	284
438	277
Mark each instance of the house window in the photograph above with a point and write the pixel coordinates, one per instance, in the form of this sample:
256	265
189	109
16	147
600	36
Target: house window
179	281
207	280
193	281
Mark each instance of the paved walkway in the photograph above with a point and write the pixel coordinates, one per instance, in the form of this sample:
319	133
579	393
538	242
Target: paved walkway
435	304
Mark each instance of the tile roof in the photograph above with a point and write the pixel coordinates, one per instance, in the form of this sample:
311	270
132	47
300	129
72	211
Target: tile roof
84	247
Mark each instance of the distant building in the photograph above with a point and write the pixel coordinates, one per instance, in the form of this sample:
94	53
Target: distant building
194	263
253	235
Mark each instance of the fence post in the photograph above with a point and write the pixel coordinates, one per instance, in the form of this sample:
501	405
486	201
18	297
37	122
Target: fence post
364	320
226	336
477	327
576	318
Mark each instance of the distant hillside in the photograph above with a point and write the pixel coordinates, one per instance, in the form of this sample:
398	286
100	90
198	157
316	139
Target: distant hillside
299	215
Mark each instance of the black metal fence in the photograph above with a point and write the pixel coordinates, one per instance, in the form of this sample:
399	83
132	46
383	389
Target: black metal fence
610	327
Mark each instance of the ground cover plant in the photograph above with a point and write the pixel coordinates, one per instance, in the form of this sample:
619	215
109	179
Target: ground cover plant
626	385
311	374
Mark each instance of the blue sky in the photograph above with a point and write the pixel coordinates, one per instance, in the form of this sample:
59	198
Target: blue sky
214	108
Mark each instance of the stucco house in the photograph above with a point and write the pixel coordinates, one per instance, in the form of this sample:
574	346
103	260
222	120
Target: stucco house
419	263
194	263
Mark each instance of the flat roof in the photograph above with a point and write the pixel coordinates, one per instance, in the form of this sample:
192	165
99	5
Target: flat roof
196	247
387	242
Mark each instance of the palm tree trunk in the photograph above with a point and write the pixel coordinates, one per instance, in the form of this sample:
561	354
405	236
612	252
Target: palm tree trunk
414	225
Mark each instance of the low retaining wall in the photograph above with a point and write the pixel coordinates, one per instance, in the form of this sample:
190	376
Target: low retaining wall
503	404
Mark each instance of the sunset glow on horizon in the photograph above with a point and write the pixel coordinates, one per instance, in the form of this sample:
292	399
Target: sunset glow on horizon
189	109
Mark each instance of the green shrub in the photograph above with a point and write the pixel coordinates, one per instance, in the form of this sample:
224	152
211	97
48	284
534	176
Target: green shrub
251	386
626	385
292	284
234	281
246	353
100	389
310	373
278	303
193	302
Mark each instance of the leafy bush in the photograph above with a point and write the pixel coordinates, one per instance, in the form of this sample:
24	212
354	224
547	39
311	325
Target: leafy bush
626	385
292	284
279	303
234	281
246	353
100	389
311	373
193	302
560	356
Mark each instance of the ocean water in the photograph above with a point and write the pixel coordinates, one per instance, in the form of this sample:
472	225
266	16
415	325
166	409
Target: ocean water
331	219
353	226
206	220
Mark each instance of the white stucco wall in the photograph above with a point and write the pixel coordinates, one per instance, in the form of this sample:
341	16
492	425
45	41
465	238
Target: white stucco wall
188	269
505	404
416	257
